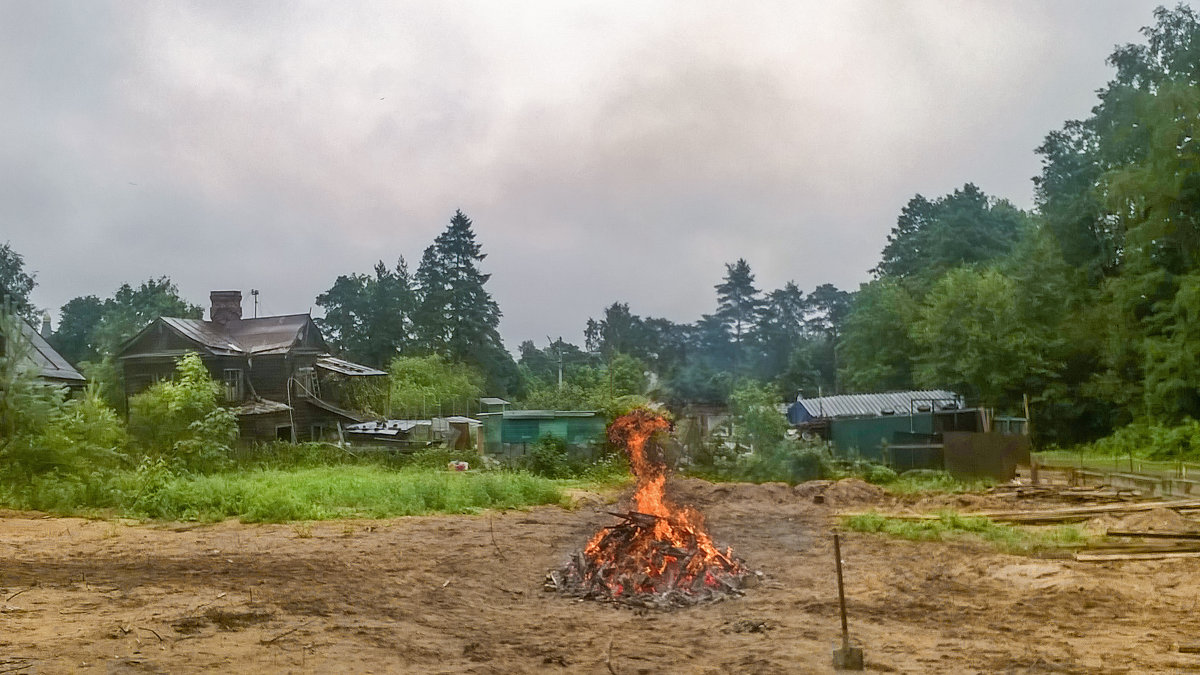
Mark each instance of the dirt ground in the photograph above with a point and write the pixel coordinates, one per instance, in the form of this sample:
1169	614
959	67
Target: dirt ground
436	595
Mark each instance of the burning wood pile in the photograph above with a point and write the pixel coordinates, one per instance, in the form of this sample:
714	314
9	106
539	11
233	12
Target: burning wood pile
659	555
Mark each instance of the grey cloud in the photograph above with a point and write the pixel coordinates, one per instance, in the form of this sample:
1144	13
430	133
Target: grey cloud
605	152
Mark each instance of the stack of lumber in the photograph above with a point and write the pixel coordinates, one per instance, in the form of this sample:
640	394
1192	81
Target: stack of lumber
1067	493
1070	514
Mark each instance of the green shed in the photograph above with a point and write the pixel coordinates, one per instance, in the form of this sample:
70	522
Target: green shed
511	433
865	436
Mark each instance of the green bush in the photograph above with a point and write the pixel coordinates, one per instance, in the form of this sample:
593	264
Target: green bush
927	480
788	461
870	471
1146	440
42	431
182	421
549	458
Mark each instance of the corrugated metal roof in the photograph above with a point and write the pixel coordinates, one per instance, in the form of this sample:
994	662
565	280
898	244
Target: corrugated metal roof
346	368
269	333
209	334
264	335
50	364
491	400
870	405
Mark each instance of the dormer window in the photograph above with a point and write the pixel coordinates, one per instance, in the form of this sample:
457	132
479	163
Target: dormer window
233	384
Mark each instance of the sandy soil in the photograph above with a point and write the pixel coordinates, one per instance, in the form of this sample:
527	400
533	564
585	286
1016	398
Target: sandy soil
434	594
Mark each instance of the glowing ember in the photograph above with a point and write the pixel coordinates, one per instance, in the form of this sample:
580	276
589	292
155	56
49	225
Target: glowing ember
660	555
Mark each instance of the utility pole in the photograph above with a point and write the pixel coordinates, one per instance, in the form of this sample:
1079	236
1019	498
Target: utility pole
558	348
254	294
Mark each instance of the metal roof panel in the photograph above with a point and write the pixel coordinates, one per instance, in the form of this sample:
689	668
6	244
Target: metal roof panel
50	363
346	367
870	405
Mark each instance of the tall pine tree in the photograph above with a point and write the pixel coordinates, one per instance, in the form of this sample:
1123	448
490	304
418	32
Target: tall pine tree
739	306
456	316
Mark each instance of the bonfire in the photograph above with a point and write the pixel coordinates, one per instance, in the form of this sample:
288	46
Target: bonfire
659	554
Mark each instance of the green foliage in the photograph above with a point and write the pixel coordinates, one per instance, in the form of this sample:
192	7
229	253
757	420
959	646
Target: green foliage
781	327
757	422
610	386
41	431
105	376
876	351
952	526
789	461
75	338
933	237
27	404
739	305
131	309
456	316
275	495
971	335
869	471
16	284
1148	440
368	318
181	420
920	481
424	386
548	457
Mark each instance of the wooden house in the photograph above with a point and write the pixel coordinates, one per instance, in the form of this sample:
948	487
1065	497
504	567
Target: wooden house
276	371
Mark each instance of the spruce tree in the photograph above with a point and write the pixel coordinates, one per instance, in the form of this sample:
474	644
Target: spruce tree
738	304
457	317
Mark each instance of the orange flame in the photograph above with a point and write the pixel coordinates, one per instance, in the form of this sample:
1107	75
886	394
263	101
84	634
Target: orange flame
690	553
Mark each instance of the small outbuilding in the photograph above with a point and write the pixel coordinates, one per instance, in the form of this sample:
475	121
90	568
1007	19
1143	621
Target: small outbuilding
511	433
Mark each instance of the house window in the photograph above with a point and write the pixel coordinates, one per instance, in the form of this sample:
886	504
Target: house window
306	382
283	433
233	384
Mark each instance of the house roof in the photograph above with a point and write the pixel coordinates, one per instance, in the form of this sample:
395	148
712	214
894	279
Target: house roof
870	405
50	364
264	335
491	400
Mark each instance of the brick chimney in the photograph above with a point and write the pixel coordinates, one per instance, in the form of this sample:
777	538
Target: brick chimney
226	306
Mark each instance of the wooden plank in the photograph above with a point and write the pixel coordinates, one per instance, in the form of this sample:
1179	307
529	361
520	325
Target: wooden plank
1084	556
1153	535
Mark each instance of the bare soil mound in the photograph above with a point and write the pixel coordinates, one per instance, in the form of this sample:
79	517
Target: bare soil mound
701	493
850	492
1155	520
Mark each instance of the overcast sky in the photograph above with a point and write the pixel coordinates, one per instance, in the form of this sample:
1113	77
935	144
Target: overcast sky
605	150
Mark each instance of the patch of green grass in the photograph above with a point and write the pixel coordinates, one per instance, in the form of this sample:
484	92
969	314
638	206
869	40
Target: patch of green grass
280	495
916	482
954	526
